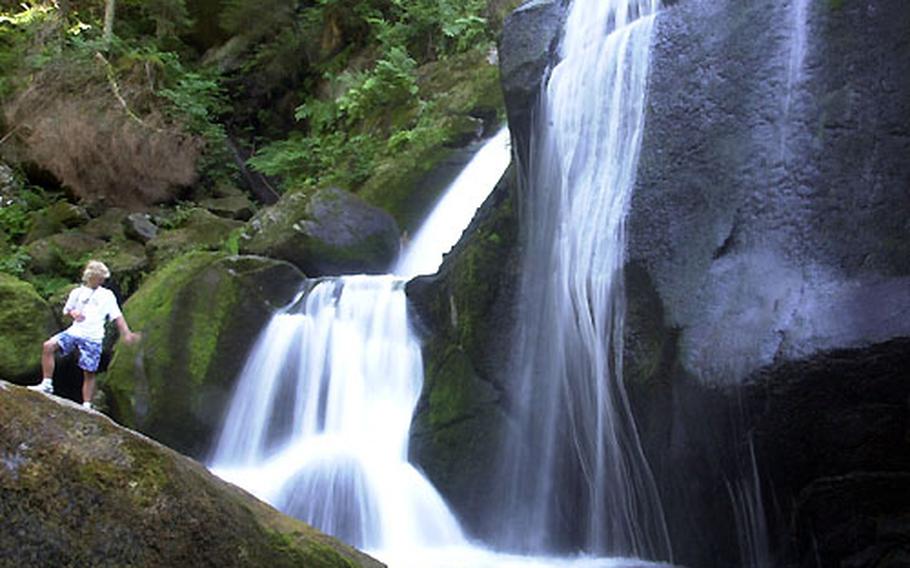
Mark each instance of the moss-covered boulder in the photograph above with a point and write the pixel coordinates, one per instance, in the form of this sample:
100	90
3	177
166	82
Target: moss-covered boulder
199	316
128	263
78	490
61	253
54	218
466	312
25	322
332	232
108	225
237	207
199	230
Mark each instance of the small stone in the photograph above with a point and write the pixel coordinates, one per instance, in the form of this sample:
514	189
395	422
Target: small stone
139	226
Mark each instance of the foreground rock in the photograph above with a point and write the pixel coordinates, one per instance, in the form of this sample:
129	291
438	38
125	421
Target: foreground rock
333	232
199	316
25	322
78	490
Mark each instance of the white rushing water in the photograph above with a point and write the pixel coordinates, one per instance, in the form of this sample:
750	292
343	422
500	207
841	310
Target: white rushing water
319	423
573	474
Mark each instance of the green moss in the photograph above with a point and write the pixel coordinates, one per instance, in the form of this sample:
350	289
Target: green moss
304	551
453	394
207	326
148	311
25	322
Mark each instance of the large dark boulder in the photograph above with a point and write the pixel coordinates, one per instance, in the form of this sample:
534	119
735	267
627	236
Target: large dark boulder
530	36
769	274
78	490
199	315
331	232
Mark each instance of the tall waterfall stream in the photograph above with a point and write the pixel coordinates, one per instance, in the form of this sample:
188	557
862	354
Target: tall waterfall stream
320	418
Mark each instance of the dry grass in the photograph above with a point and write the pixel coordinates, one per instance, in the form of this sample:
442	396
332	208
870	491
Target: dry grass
103	139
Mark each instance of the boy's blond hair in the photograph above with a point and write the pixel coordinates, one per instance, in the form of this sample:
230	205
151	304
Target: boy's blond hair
95	268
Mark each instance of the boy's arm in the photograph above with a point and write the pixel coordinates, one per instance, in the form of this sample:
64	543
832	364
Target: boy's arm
128	336
69	309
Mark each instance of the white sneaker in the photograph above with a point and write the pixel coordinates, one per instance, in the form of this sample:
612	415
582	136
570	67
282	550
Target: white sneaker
46	386
88	405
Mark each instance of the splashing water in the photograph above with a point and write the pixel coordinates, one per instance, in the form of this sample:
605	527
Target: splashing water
573	474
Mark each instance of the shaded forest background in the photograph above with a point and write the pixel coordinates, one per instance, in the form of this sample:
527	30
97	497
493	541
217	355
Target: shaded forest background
194	100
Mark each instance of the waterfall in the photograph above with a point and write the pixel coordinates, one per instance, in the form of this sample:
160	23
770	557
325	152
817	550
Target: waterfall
454	211
319	423
798	47
573	475
320	418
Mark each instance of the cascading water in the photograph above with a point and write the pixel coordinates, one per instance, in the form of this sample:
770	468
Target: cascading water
320	418
319	422
573	474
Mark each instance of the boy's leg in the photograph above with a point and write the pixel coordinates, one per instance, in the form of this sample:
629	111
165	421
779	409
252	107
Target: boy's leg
88	386
47	363
47	357
89	358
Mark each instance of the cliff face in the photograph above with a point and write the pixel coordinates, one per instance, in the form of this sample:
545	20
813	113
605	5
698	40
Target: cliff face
768	274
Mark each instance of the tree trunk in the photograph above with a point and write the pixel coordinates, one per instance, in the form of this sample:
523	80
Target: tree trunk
109	7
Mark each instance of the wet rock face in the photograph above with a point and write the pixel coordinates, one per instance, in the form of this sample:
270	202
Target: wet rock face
768	273
333	232
766	268
771	201
78	490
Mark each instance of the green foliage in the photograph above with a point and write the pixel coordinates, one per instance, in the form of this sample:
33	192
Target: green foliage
374	110
310	161
17	31
392	81
48	286
14	261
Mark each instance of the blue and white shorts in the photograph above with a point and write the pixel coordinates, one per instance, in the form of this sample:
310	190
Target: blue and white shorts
89	351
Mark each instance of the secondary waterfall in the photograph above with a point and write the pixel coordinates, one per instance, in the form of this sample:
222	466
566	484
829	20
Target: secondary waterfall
573	475
320	417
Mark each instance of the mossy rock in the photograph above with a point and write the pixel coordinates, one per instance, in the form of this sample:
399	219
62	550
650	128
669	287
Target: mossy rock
333	232
55	218
237	207
200	230
199	316
466	313
25	322
128	263
78	490
107	226
61	253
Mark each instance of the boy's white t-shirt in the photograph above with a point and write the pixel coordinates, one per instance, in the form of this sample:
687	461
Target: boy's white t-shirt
97	306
